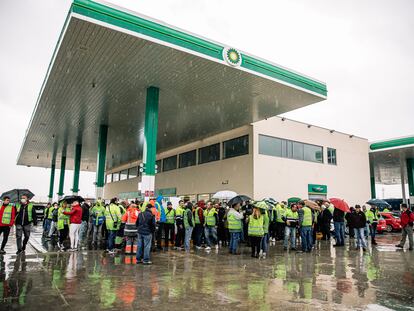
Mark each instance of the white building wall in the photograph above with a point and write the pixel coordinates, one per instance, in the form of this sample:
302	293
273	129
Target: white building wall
282	178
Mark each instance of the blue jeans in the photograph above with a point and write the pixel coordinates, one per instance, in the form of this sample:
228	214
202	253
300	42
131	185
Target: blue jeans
306	236
210	234
144	247
373	229
83	231
290	234
339	232
46	225
360	236
264	245
111	239
187	238
234	241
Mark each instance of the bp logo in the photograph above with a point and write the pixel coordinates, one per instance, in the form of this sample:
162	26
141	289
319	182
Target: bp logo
232	56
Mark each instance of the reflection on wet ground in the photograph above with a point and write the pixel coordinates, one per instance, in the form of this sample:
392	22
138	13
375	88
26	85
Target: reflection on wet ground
328	279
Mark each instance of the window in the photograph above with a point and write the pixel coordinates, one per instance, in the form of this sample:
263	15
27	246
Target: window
332	156
203	197
270	146
108	178
133	172
236	147
115	177
123	175
209	154
313	153
158	165
284	148
187	158
297	151
169	164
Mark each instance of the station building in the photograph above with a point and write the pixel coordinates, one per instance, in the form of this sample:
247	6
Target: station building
276	157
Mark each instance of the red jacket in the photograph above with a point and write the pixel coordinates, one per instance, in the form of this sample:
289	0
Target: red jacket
406	218
13	216
75	214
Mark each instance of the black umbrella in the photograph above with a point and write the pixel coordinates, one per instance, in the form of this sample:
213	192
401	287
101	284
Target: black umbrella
238	199
72	198
16	194
379	203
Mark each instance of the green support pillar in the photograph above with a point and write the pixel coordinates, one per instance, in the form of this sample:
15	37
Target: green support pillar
410	177
372	173
62	176
52	182
150	141
76	172
101	160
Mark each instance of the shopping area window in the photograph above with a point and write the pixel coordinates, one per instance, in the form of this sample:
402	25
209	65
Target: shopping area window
123	175
133	172
278	147
115	177
108	178
188	158
158	165
236	147
209	154
169	164
332	156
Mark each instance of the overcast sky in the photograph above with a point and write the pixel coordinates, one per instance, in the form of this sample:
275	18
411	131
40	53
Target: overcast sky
363	50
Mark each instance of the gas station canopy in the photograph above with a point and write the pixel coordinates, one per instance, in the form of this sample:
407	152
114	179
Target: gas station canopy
106	58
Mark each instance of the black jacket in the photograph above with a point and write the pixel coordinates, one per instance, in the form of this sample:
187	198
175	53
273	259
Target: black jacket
338	215
357	220
146	222
85	211
22	216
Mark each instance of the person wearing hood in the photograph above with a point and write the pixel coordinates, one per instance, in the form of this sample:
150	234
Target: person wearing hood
75	223
25	219
146	228
53	225
169	224
130	231
98	218
112	221
161	221
255	230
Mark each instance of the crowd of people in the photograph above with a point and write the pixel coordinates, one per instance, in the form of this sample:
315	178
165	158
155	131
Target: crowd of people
141	227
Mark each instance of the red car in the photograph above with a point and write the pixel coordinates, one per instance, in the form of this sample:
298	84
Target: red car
393	222
382	226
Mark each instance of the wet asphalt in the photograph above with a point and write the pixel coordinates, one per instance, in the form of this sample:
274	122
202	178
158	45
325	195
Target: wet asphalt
327	279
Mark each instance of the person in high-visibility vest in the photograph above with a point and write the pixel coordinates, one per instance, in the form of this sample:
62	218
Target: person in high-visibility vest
63	224
25	219
280	224
210	226
169	224
98	218
47	219
305	225
372	219
113	221
53	225
255	230
179	237
130	230
234	220
291	219
7	216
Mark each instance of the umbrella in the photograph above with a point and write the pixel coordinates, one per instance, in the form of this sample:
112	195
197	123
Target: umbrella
293	200
340	204
238	199
260	204
270	201
224	195
72	198
379	203
16	194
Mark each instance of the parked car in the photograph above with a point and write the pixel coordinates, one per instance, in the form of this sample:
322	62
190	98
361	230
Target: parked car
382	225
393	222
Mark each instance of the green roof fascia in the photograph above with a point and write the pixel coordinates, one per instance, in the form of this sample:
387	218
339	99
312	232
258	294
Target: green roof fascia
179	38
399	142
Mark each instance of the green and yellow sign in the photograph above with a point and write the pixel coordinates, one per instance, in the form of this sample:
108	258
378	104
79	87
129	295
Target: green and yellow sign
317	189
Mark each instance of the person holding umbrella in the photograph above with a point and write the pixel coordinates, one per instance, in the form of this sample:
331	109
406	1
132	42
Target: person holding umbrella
62	224
75	223
25	219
